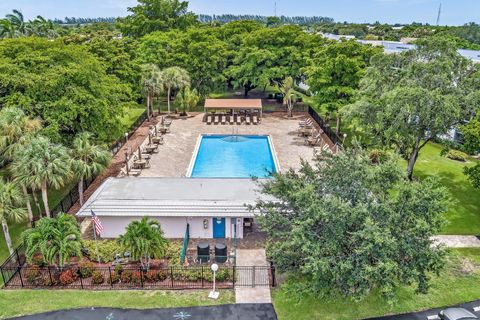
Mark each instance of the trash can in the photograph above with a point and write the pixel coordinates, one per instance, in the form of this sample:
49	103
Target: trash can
221	254
203	252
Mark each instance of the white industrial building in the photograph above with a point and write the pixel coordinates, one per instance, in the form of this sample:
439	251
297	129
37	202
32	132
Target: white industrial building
213	208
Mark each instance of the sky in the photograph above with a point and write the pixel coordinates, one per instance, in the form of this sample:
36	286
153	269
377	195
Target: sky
454	12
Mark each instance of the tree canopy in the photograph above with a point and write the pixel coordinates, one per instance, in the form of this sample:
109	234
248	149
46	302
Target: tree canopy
156	15
349	226
64	85
408	99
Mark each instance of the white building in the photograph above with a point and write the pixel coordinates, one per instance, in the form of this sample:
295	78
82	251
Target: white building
214	208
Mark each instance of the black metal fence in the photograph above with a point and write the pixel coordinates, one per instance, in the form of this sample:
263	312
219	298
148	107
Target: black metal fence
325	127
12	264
110	278
72	196
117	145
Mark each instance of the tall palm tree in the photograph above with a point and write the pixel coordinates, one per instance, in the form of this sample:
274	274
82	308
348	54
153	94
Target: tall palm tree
15	130
47	165
16	18
151	80
144	239
56	239
43	27
174	78
11	208
88	160
287	88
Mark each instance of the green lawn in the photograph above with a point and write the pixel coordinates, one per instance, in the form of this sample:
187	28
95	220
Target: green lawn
464	212
457	284
131	115
22	302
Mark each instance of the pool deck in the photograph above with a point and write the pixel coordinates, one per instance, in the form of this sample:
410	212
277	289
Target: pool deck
175	154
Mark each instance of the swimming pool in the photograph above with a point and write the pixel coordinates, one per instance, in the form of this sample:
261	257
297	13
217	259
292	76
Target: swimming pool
226	156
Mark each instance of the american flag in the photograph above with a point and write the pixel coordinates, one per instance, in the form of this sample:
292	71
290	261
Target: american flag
97	223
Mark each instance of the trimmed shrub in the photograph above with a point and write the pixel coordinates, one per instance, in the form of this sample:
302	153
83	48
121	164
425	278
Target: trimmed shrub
136	277
126	276
85	269
38	260
151	276
97	277
32	274
107	249
114	278
119	269
172	253
457	155
67	277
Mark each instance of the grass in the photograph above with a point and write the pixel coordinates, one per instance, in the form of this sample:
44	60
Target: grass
457	283
464	212
22	302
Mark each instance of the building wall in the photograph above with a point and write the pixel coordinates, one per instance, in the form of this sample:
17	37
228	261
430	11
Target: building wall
174	227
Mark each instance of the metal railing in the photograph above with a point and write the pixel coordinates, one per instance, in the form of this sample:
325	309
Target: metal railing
325	127
111	278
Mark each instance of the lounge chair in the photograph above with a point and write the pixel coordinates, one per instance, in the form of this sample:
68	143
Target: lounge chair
209	119
134	172
306	123
238	119
224	119
255	120
230	119
247	119
216	119
313	140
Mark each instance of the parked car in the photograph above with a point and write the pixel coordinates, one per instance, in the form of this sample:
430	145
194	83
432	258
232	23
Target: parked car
457	314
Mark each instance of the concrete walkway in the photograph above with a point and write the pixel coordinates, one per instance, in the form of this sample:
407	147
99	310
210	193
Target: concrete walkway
257	294
457	241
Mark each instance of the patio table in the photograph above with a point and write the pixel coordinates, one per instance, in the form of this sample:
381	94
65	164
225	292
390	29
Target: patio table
140	164
151	148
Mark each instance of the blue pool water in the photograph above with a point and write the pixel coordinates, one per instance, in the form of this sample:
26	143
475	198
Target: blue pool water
234	157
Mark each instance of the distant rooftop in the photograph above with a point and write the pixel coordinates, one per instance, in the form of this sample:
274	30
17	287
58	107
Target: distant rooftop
173	197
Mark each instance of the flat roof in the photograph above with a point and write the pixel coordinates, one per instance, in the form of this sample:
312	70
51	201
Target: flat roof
233	104
170	197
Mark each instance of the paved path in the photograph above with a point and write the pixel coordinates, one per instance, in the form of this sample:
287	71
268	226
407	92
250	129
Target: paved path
224	312
458	241
257	294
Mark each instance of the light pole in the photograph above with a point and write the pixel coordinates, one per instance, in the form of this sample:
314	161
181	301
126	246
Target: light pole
214	294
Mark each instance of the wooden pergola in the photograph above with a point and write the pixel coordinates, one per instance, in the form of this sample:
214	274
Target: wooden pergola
233	105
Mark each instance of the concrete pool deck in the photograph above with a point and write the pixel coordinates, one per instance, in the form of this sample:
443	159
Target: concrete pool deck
175	154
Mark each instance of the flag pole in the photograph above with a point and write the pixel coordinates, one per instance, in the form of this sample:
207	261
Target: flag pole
95	239
96	243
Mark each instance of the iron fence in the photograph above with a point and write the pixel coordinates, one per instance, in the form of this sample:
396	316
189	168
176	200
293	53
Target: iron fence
132	278
325	127
117	145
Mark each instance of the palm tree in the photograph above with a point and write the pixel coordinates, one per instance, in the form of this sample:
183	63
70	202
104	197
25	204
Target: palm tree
55	238
47	165
11	208
44	28
144	239
174	78
7	29
151	80
17	20
287	88
187	99
88	160
15	130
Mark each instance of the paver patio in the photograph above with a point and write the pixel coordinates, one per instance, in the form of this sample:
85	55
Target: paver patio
175	155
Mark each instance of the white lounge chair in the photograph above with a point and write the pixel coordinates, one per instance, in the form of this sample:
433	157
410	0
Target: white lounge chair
238	119
230	119
247	119
209	119
255	120
224	119
216	119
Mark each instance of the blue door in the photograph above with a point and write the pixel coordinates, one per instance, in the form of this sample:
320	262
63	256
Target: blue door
219	228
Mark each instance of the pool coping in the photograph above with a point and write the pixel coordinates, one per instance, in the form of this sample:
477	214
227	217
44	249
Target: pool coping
199	140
